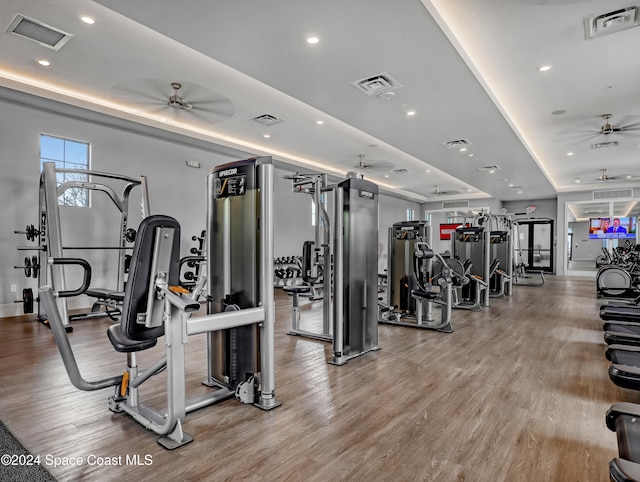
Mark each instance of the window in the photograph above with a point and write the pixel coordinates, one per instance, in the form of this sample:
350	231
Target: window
67	154
410	214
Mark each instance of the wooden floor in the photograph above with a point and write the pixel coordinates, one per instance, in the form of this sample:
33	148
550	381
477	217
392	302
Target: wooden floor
518	392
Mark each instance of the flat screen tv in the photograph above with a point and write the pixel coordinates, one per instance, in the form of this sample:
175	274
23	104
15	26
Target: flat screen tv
612	228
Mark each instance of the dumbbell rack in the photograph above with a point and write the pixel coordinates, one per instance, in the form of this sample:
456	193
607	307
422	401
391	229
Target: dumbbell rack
287	271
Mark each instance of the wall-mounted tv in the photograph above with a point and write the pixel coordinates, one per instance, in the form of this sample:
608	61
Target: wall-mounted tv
612	228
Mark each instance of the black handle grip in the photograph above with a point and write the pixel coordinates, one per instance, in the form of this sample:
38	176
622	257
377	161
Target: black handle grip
86	279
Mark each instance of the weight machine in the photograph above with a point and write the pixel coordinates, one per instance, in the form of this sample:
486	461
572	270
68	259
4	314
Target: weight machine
471	246
413	269
240	322
501	248
49	233
346	254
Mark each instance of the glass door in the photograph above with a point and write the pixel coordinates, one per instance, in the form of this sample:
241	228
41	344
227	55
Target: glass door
534	247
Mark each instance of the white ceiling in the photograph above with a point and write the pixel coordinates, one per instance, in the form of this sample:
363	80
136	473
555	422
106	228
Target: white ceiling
469	69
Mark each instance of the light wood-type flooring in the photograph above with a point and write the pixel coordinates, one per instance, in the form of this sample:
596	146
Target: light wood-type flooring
518	392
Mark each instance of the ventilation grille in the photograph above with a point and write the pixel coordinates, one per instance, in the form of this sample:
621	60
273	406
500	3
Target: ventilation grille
457	144
454	204
601	145
377	84
613	194
38	32
611	22
268	119
489	168
400	171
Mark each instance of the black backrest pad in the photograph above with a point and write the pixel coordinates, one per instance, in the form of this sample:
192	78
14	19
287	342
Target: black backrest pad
137	288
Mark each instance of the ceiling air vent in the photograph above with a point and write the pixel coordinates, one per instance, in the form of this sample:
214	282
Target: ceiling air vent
377	84
455	204
613	194
38	32
489	168
400	171
268	119
610	22
601	145
457	144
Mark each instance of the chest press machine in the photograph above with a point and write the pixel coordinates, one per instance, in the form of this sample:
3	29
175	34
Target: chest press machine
241	330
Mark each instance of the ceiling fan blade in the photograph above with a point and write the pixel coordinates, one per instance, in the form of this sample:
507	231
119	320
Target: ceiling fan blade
221	107
373	165
141	90
628	122
574	137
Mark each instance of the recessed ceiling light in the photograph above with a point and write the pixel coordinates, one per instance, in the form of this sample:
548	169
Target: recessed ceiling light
411	112
44	63
519	192
491	171
312	39
319	122
386	175
627	177
87	20
266	136
470	155
428	171
544	68
569	153
463	149
510	184
578	181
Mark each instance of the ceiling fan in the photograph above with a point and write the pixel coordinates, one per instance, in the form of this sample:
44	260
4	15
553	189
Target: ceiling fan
627	126
377	166
604	177
175	100
439	192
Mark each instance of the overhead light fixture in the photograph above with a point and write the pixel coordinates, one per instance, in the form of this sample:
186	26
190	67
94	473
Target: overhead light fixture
411	112
544	68
44	62
577	181
313	39
463	149
569	153
88	20
319	122
266	136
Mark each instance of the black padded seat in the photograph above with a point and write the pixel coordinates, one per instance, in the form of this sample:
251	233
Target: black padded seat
427	295
132	334
126	345
296	289
494	266
105	294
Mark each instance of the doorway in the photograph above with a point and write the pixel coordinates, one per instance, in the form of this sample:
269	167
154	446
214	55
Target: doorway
534	244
